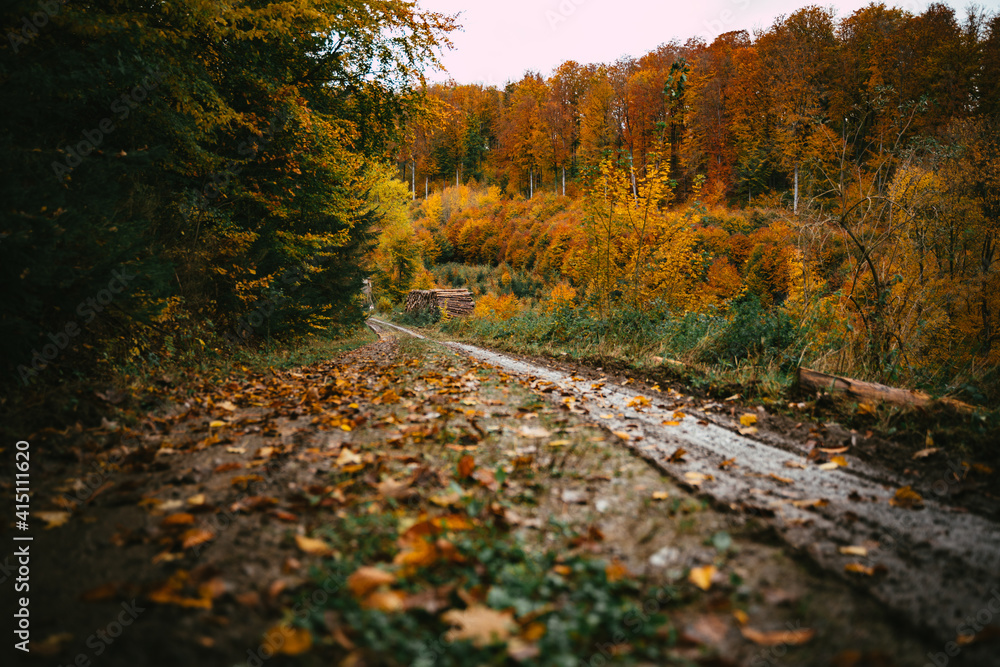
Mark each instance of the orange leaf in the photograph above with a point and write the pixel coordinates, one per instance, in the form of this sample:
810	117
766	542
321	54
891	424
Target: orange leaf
387	601
366	579
702	576
907	498
788	637
313	546
196	536
179	519
288	640
465	466
615	571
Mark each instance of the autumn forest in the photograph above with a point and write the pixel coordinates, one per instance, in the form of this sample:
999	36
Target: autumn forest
840	170
312	355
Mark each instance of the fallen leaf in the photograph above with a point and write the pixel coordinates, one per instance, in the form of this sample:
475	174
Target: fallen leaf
99	594
196	536
198	499
487	478
482	625
52	644
828	466
53	519
465	466
839	460
924	453
778	637
347	457
859	568
814	502
638	402
288	640
867	409
661	495
670	423
313	546
615	571
366	579
697	478
907	498
748	419
677	456
389	602
727	463
860	552
702	576
783	480
795	464
179	519
534	432
623	435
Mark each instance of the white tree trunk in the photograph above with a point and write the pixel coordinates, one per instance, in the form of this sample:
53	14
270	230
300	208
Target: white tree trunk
795	205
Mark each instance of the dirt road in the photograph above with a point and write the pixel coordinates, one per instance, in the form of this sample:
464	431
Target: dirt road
936	566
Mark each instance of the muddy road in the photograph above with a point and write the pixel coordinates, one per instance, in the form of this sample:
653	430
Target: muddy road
935	565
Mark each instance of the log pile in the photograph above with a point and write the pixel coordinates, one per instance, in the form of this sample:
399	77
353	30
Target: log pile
458	302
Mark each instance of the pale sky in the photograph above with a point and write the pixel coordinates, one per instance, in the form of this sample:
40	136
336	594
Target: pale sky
504	38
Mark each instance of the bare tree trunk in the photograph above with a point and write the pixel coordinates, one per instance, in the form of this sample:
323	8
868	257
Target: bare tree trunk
414	175
564	180
795	206
531	185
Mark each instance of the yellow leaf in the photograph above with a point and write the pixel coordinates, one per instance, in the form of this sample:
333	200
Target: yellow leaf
638	402
860	552
906	498
661	495
748	419
867	409
839	460
702	576
858	568
53	519
218	424
198	499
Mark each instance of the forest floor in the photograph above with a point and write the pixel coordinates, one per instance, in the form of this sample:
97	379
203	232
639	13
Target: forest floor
409	503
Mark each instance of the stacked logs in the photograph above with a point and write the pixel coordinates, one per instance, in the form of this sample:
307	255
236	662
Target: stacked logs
458	302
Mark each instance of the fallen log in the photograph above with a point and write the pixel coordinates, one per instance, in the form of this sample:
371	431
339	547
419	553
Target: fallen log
814	381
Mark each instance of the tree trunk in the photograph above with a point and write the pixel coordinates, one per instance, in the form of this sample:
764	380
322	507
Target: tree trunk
564	180
795	206
414	174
